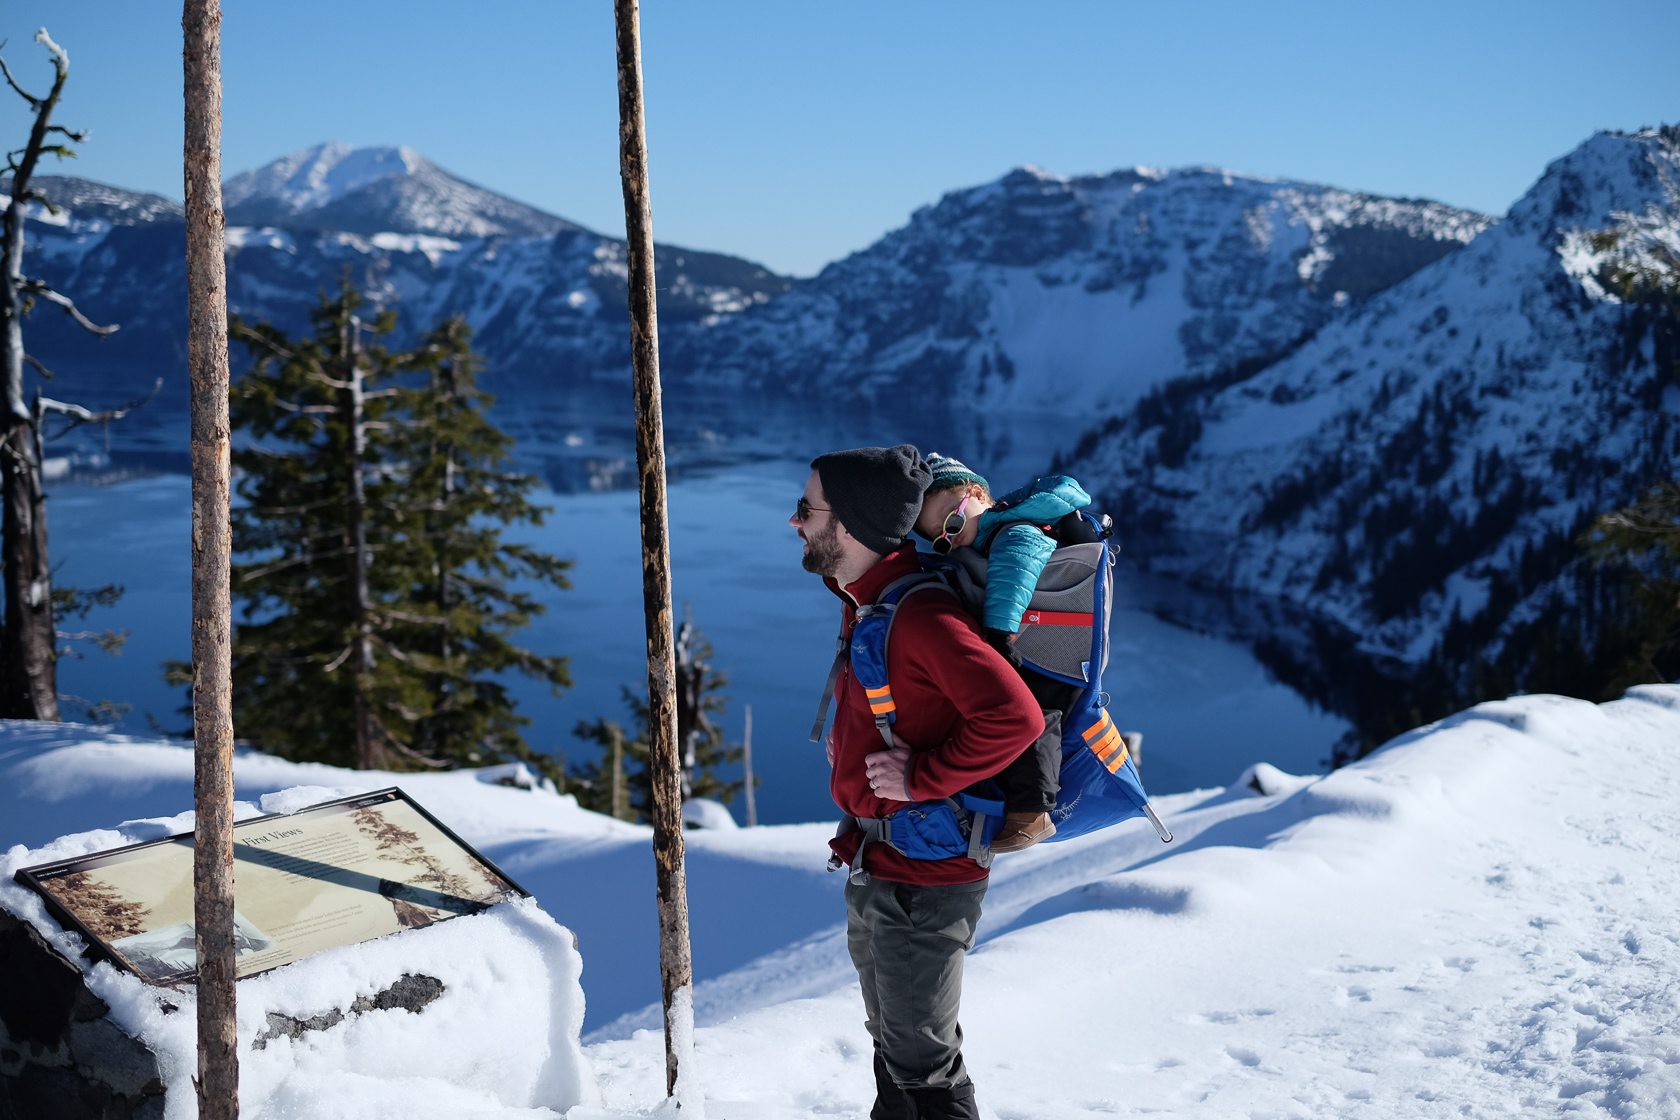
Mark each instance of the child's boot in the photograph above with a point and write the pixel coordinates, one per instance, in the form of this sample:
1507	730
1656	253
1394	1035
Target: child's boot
1021	831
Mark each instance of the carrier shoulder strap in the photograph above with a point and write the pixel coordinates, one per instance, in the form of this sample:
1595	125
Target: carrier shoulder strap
885	606
873	675
828	689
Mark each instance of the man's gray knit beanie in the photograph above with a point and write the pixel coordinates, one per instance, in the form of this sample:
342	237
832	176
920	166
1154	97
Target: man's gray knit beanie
876	492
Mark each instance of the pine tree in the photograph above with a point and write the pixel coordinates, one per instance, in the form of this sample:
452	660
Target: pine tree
1642	542
378	598
459	485
701	740
603	786
703	743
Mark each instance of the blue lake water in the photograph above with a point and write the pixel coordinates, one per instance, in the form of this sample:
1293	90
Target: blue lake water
1205	706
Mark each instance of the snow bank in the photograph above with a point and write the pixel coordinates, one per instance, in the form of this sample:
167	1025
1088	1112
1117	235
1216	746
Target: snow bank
1476	921
59	778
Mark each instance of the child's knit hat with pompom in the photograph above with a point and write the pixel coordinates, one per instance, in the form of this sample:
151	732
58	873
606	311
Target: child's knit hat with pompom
949	473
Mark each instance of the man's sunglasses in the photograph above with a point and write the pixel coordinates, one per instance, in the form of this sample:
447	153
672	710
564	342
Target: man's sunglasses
803	510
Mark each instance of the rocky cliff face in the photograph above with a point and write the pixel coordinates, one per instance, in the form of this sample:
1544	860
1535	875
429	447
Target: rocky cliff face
1416	469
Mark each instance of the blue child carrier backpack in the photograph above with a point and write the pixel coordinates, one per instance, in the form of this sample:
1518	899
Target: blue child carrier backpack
1064	636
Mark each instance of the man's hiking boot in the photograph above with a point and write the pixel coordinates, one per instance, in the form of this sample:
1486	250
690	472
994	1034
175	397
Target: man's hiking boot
1021	831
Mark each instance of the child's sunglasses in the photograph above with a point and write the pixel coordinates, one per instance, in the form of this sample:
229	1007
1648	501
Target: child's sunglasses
952	529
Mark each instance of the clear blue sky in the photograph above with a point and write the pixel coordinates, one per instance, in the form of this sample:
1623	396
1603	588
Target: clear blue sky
793	132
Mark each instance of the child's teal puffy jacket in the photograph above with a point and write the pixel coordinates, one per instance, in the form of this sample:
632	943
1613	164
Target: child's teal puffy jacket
1018	546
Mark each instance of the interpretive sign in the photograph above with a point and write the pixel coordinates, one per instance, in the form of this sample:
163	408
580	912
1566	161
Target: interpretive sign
333	874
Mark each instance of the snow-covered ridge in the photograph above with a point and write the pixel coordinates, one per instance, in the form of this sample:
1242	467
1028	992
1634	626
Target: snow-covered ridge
1428	456
90	201
1038	289
1476	920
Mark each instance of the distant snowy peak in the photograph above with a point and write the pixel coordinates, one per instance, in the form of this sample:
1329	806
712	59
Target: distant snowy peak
377	190
317	176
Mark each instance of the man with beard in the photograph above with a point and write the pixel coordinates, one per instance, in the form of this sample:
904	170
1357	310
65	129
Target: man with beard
962	715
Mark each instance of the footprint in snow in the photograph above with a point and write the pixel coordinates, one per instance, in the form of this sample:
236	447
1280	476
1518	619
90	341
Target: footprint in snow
1226	1018
1246	1057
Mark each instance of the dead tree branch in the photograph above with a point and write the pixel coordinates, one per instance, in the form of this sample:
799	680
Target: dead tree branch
39	288
80	415
34	102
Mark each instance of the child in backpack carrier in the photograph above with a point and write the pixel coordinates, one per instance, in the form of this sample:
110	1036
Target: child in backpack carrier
1013	533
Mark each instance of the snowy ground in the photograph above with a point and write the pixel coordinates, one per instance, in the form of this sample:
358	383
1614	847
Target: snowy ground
1476	921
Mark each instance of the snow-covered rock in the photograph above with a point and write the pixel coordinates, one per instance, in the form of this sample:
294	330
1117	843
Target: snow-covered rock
703	812
496	1033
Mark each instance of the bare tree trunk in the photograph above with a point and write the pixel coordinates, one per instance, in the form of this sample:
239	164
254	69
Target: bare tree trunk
28	645
746	764
207	358
676	966
28	655
368	754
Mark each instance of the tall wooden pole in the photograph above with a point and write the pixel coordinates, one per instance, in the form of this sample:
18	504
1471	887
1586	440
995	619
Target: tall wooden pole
617	771
746	764
207	359
674	963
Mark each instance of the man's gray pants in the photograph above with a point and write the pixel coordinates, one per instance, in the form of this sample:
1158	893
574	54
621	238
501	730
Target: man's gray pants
907	942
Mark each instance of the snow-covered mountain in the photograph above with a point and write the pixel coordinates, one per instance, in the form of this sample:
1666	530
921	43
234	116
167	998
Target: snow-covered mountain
377	190
546	296
1416	469
1034	292
1027	292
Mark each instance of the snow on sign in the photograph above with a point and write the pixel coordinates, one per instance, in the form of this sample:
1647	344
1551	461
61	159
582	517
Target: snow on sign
334	874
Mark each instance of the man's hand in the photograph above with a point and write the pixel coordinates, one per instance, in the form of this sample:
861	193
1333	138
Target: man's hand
828	745
886	773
